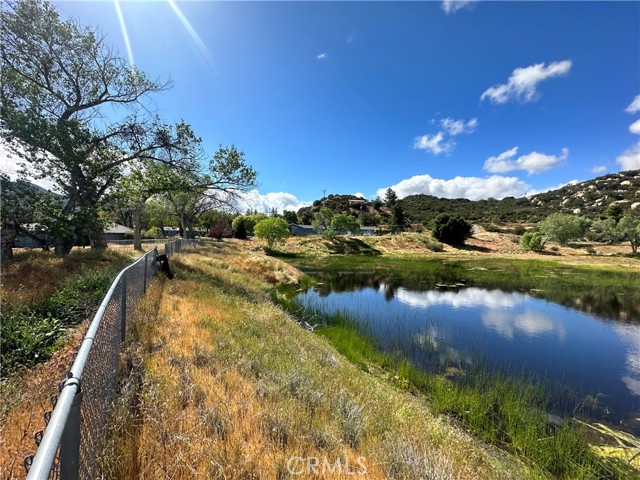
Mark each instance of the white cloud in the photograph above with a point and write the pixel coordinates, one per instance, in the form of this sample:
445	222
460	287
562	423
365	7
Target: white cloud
254	200
456	127
473	188
464	298
359	194
10	164
555	187
438	143
434	143
452	6
529	323
533	162
634	106
322	56
635	127
630	159
523	82
599	169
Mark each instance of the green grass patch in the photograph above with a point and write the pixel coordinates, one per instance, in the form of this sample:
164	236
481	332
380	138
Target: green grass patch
30	334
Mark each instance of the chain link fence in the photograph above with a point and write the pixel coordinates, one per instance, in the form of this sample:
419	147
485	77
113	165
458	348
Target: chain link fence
71	443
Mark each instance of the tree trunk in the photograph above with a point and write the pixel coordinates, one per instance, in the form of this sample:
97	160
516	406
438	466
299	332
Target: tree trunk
96	237
64	245
183	226
8	240
137	226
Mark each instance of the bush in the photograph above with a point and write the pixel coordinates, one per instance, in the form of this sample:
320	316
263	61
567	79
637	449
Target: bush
272	230
451	229
563	228
152	233
329	234
30	335
532	241
519	229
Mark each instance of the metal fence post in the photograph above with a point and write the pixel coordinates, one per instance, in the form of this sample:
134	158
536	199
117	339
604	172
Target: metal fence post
123	307
144	283
70	441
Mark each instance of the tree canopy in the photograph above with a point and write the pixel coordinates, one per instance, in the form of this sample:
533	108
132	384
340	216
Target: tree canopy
272	230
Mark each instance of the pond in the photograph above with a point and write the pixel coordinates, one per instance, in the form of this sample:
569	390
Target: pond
591	362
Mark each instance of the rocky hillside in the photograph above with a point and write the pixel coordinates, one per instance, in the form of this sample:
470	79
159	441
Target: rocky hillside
590	198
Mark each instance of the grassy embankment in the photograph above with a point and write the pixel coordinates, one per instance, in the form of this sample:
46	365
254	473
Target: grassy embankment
225	384
45	299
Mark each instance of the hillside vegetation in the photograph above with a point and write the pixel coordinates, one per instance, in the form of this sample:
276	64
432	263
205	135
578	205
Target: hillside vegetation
590	199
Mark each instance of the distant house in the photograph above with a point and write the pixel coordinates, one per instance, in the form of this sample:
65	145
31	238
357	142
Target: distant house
300	230
297	230
171	231
115	231
359	202
36	238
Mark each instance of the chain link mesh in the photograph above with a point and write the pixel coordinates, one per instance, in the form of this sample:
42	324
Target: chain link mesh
100	373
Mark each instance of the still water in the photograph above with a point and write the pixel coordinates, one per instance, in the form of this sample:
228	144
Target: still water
591	362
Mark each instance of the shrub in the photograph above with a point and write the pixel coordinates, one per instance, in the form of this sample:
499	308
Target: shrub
329	234
532	241
451	229
519	229
272	230
563	228
221	229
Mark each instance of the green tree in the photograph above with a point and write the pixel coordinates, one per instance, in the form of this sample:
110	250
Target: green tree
451	229
272	230
397	218
532	241
322	220
239	227
629	229
605	231
390	198
343	222
58	79
210	217
159	213
563	228
614	211
247	223
289	216
368	219
23	205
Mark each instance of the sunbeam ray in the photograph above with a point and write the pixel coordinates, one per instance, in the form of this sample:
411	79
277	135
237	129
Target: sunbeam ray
125	34
190	30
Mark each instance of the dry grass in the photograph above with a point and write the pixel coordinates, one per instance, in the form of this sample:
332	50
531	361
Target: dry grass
482	245
26	397
232	388
34	275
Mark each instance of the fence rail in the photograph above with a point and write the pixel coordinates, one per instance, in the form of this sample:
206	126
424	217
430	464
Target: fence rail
70	445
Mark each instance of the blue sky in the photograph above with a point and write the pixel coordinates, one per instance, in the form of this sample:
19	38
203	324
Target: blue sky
488	99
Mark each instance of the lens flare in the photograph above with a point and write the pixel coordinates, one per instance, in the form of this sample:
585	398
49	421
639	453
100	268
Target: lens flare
190	30
125	34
